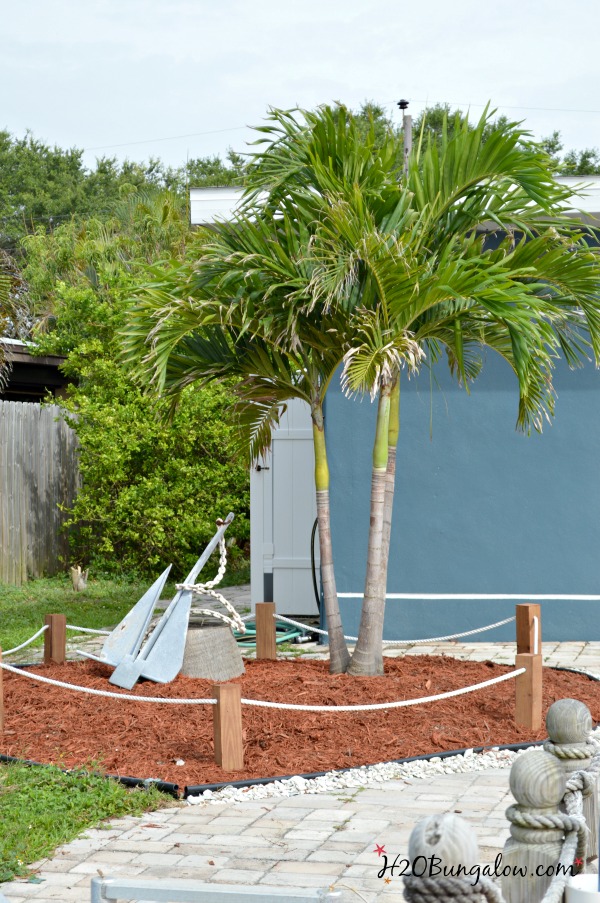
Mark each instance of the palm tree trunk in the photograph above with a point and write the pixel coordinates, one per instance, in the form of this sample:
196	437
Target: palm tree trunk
367	659
390	477
338	651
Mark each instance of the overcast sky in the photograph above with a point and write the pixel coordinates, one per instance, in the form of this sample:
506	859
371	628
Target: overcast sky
109	75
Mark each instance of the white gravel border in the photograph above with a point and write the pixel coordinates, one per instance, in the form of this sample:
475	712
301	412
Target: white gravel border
360	777
355	778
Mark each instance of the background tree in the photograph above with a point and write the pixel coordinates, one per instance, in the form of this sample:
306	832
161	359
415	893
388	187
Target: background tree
150	490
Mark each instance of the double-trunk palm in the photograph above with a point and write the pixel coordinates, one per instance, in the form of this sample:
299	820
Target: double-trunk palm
338	259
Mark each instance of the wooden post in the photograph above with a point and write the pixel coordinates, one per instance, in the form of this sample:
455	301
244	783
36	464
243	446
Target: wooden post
537	783
1	698
569	725
528	686
526	628
227	726
266	646
448	843
55	639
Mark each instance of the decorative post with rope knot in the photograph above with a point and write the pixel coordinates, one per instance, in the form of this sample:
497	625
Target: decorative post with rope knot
444	857
544	840
569	725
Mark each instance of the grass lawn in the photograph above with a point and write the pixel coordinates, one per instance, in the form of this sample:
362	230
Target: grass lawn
42	808
102	604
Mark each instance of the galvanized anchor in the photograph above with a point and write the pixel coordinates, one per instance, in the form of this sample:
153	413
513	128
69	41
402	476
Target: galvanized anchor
161	657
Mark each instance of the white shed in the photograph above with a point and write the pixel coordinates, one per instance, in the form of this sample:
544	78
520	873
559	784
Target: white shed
282	495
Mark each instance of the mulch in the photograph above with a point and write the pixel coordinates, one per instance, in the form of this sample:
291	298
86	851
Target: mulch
145	740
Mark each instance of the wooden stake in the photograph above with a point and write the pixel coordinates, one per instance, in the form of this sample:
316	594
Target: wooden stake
1	699
528	686
227	726
526	627
55	639
266	646
528	691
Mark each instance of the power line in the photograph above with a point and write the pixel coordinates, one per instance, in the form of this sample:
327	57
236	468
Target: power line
427	103
236	128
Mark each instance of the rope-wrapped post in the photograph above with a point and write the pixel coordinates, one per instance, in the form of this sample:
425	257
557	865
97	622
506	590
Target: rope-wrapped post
443	856
266	645
537	827
569	725
528	686
55	639
227	726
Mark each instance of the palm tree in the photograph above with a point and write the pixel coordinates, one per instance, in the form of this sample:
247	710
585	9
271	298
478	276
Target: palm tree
192	324
427	277
336	257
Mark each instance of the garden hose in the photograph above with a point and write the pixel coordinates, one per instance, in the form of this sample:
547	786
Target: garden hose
283	634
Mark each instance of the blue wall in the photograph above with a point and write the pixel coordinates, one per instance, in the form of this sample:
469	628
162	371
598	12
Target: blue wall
479	508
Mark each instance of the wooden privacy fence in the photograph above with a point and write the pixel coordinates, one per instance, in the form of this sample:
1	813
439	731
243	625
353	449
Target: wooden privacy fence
38	473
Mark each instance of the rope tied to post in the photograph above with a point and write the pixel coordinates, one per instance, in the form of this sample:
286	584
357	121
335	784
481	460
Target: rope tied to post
448	888
569	751
560	821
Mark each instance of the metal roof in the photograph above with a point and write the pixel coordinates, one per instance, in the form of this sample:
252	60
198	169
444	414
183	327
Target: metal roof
210	204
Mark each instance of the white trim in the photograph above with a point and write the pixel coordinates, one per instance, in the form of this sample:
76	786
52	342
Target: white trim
479	596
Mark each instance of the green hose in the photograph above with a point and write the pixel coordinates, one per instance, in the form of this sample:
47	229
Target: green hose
283	634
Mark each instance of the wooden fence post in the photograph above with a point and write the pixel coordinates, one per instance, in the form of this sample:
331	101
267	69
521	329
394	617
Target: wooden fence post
266	645
447	842
569	725
1	698
55	639
528	686
537	783
227	726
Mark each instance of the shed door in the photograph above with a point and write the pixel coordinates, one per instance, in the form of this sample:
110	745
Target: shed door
282	514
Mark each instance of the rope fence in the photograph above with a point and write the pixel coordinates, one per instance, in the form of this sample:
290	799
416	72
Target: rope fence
265	703
435	639
88	630
228	701
27	642
93	692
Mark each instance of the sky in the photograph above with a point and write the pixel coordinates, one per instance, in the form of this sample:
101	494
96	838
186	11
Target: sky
178	78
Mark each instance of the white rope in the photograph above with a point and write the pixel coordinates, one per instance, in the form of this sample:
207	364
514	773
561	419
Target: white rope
207	589
88	630
60	683
435	639
27	642
262	703
385	705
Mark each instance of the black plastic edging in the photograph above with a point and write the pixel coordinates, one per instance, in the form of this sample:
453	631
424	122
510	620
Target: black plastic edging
195	789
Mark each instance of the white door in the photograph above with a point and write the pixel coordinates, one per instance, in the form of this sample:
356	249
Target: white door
282	514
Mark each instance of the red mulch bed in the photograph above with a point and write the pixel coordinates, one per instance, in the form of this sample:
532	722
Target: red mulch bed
71	729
